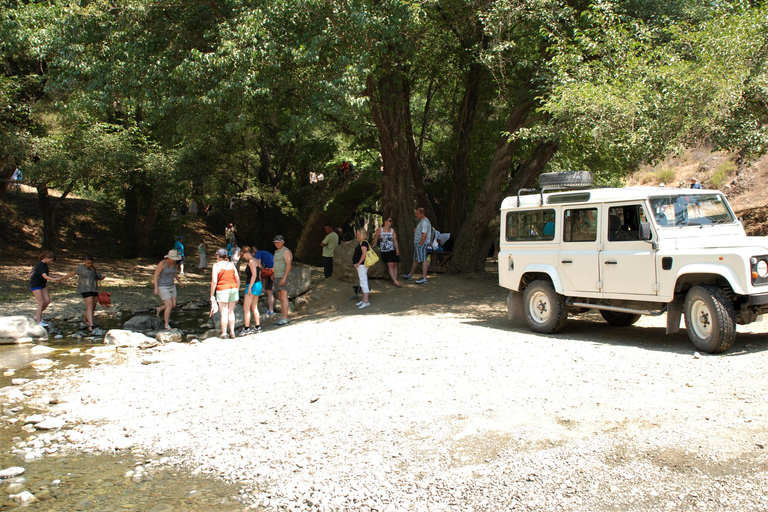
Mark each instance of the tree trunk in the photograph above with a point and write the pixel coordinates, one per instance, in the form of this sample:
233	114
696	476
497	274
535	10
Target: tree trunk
144	227
49	219
457	199
390	107
471	246
5	177
341	199
48	211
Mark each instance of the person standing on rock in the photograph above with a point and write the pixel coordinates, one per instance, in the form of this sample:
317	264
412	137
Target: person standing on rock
225	282
358	260
87	287
253	289
203	257
38	283
179	246
165	274
267	274
390	252
283	258
329	244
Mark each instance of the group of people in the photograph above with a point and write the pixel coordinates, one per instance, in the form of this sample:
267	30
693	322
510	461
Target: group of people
386	237
264	273
87	286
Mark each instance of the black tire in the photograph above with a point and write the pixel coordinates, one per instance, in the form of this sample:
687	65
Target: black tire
710	319
545	309
566	179
618	319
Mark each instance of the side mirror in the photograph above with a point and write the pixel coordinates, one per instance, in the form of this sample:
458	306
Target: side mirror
645	231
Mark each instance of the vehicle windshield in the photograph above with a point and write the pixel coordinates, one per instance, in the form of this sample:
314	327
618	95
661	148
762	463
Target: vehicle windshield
676	210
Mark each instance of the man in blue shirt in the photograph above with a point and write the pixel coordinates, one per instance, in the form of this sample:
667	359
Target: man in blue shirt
267	262
179	246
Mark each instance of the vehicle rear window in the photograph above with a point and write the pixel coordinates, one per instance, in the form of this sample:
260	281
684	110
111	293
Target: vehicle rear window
530	225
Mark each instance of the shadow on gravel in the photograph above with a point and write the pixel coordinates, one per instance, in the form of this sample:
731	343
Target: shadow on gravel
589	328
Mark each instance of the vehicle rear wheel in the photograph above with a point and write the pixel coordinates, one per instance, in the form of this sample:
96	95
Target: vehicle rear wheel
618	319
566	179
545	309
710	319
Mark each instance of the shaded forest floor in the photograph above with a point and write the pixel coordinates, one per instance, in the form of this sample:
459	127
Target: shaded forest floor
89	227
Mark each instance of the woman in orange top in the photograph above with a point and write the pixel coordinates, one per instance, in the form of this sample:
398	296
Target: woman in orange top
225	282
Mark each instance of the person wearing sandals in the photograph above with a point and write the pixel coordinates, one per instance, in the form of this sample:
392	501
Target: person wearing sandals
390	251
358	259
282	268
88	287
225	282
165	274
38	283
252	291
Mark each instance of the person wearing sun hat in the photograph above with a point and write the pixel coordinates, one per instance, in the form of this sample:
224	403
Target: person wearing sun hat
165	274
282	269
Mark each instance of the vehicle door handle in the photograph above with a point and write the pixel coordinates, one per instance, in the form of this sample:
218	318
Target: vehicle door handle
611	262
567	261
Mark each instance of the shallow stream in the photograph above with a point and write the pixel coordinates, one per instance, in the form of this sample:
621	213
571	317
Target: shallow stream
96	482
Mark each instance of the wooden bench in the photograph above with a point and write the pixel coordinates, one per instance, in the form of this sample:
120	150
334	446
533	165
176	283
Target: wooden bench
439	260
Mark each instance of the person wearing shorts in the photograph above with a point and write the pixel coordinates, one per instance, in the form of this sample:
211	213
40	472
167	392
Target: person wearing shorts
420	243
253	289
165	287
267	264
283	258
225	282
87	287
38	284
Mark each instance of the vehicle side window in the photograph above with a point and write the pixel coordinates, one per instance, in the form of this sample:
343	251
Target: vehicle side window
624	222
530	225
580	225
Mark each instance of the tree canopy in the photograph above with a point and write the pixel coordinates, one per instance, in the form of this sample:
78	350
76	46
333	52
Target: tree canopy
444	104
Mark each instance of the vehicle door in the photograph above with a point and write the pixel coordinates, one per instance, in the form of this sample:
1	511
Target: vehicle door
578	258
627	263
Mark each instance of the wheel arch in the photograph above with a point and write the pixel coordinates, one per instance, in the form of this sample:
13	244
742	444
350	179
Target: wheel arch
540	273
719	277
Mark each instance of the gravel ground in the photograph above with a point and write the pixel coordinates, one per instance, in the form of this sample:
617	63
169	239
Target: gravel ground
430	401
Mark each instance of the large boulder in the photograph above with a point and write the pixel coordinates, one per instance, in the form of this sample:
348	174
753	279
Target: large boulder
299	281
125	338
144	323
344	269
15	328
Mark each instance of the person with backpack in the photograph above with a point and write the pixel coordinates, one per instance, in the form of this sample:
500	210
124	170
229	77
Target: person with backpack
421	240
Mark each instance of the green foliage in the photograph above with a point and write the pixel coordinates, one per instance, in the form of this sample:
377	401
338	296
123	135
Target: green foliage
721	175
665	175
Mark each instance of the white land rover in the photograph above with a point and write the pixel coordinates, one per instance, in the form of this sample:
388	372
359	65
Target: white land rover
628	252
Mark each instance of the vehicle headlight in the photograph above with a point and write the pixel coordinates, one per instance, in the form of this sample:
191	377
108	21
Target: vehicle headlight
762	268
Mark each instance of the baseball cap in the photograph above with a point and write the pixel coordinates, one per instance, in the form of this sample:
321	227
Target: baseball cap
279	238
221	253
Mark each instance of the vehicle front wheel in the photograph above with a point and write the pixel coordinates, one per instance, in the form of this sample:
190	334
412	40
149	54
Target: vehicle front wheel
710	319
545	309
618	319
